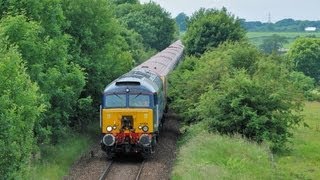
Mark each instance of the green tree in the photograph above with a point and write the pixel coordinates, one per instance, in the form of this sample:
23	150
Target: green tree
48	13
97	44
273	43
49	64
151	21
181	20
207	28
236	89
305	54
20	109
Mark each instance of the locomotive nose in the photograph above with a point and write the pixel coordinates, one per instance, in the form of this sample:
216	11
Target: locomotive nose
109	140
145	140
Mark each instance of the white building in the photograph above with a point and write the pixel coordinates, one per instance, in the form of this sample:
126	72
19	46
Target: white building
310	29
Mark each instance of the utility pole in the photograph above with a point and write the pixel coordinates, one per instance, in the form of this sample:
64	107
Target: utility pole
269	18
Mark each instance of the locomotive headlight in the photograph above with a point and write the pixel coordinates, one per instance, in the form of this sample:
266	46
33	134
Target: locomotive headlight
109	128
145	128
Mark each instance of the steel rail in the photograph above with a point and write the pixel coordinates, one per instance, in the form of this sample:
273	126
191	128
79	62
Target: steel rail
140	170
106	171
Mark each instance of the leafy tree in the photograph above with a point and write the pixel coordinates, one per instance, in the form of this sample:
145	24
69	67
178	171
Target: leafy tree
236	89
305	54
209	28
151	21
98	46
20	108
273	43
305	84
181	20
48	13
48	62
192	78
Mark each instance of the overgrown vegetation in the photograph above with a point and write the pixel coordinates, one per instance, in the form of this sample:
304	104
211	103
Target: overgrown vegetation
208	28
212	156
236	88
56	58
305	54
239	90
20	107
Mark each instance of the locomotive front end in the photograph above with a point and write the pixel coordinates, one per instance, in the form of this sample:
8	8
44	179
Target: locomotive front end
130	115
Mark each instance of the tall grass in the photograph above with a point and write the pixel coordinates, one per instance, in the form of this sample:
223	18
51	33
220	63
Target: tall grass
212	156
56	160
303	161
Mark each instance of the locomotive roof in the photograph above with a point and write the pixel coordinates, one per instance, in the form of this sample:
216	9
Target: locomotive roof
135	80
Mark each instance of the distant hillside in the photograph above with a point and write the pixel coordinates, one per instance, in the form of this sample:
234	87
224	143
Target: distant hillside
285	25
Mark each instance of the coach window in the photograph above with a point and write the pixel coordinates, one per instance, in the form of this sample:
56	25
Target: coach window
115	101
139	100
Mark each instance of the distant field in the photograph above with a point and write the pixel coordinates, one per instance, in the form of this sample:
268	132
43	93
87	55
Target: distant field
257	37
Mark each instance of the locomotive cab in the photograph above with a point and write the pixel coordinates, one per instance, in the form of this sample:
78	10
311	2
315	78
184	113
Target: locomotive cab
131	113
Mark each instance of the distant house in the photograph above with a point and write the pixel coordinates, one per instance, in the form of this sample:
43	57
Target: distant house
310	29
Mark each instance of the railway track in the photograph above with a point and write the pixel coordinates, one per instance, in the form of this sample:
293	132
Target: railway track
105	173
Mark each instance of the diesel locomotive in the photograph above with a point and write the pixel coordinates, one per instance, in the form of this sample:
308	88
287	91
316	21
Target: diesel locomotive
132	109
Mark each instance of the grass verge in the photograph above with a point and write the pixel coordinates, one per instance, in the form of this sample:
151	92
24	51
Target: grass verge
303	161
212	156
57	159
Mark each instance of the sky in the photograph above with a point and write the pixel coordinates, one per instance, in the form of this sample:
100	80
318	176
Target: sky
251	10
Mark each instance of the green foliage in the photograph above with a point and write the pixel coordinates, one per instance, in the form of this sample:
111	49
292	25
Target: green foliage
305	84
98	46
181	20
273	44
185	81
49	65
47	12
20	108
204	155
151	21
56	160
209	28
238	90
305	54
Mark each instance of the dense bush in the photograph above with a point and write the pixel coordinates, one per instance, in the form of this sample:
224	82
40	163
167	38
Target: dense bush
305	54
208	28
20	108
49	64
239	90
97	44
151	21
